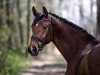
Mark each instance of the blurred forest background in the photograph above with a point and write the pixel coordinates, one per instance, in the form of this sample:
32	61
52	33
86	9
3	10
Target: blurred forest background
15	29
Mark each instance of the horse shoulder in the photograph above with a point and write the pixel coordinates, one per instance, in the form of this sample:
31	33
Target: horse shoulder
94	60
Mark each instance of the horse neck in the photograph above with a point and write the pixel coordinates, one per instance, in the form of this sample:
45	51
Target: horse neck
67	39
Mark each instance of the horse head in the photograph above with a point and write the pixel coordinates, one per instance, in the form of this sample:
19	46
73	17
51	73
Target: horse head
41	31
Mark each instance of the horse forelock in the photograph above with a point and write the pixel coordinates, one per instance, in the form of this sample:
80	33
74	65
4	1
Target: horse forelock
37	19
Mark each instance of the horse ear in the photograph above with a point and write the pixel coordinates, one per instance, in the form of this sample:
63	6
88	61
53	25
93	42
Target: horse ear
45	12
34	11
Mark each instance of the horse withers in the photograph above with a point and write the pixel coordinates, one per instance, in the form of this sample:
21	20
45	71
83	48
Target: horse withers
80	49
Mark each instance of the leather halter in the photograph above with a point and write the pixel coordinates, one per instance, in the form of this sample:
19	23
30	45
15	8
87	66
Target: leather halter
42	41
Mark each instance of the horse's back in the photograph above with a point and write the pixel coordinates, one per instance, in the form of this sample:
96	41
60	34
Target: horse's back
94	60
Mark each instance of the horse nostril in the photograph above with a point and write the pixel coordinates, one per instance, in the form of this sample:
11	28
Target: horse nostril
34	49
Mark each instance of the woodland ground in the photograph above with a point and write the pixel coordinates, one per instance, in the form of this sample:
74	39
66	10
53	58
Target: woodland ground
45	68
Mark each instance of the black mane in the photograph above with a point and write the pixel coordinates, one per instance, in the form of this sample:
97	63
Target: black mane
74	26
41	16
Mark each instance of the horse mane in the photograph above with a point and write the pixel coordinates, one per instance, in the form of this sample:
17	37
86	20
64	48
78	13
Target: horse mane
73	25
41	16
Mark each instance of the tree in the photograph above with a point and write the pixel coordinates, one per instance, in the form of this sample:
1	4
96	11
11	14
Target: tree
28	23
98	19
9	20
28	19
1	9
19	22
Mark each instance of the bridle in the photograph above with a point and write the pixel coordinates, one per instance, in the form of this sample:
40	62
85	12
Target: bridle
43	41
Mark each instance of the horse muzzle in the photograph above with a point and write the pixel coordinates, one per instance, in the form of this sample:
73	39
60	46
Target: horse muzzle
33	51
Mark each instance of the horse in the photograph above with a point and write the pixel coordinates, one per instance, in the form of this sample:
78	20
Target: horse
80	49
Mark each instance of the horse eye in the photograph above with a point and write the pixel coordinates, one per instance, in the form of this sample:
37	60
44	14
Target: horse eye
45	27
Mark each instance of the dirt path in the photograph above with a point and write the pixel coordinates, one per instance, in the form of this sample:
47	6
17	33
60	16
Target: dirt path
45	68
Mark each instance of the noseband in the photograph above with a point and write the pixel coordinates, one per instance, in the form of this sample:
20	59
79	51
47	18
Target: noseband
42	41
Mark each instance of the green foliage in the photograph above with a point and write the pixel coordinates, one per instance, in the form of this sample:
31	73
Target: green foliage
12	48
12	61
5	33
4	36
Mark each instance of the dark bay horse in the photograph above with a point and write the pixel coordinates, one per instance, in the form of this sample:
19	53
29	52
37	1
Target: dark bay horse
80	49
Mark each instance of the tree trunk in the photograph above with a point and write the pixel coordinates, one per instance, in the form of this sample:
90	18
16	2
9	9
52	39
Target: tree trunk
98	19
8	12
28	20
28	23
92	7
81	10
19	22
1	12
9	21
